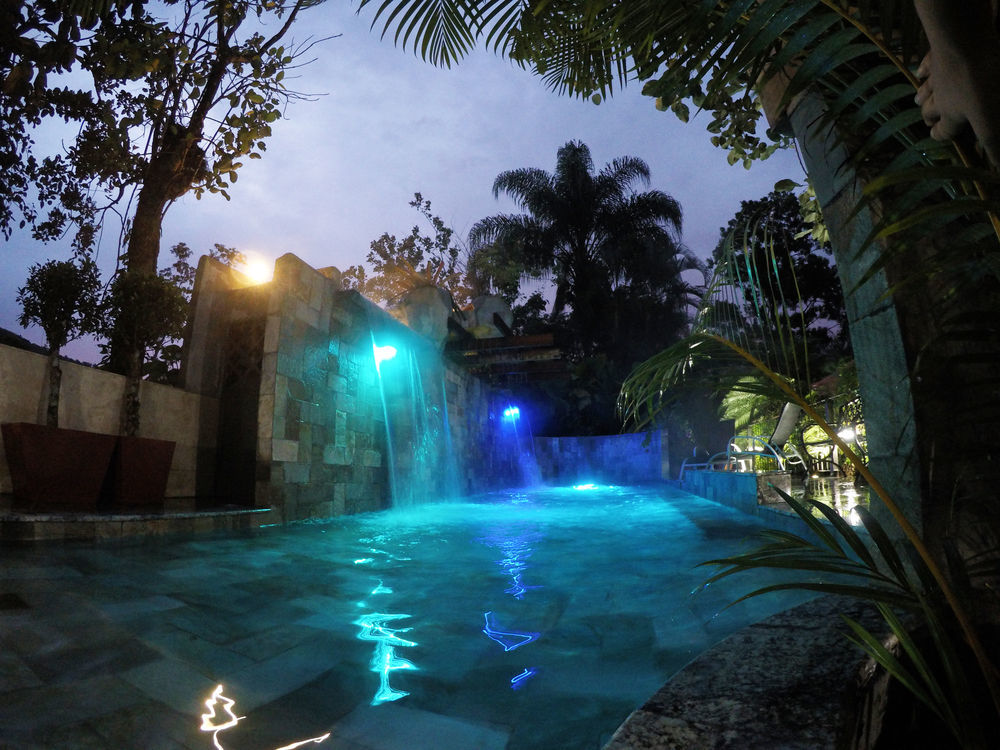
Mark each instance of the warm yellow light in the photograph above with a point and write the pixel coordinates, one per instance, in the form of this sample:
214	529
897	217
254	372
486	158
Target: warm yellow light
258	268
219	716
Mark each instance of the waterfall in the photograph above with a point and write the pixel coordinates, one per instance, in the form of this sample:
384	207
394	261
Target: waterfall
422	463
515	433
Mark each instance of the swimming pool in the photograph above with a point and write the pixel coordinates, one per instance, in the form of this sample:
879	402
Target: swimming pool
520	620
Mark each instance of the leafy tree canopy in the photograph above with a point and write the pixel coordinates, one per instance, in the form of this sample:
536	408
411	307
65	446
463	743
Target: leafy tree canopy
161	99
769	242
612	251
414	261
61	296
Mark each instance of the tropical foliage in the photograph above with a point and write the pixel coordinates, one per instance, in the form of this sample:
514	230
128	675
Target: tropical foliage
612	252
416	260
61	296
836	559
771	233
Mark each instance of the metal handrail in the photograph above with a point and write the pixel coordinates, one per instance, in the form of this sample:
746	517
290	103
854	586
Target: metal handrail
766	448
732	458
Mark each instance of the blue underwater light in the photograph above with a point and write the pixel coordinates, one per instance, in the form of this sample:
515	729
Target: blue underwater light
511	413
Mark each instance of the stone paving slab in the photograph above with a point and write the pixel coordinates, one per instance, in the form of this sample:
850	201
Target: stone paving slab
392	727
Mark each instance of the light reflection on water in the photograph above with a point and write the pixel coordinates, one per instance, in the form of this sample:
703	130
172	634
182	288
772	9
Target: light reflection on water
592	597
212	722
374	627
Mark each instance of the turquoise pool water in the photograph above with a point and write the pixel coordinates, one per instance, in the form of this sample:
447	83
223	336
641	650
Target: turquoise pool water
525	620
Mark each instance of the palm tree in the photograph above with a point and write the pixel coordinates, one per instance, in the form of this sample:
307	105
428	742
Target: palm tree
602	242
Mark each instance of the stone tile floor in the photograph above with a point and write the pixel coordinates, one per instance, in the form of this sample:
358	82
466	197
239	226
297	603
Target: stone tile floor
103	648
119	644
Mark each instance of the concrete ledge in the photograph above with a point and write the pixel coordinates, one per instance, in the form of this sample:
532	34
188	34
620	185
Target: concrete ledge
38	527
789	682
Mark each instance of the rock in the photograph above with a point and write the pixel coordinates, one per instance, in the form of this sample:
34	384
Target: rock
484	307
426	310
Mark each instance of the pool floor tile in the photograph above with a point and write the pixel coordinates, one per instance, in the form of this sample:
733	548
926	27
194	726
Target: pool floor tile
171	682
389	727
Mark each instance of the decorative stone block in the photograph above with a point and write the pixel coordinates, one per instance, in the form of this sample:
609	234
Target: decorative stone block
336	383
285	450
335	455
340	428
296	473
272	331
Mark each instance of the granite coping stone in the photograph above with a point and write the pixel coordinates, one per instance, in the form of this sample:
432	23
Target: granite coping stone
787	683
51	527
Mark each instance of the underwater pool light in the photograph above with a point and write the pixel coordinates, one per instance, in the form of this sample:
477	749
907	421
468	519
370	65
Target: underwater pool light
511	413
588	486
382	353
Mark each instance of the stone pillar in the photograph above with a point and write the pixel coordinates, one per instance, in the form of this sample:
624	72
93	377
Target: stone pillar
426	310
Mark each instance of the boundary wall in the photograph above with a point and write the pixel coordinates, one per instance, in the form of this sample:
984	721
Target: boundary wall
90	400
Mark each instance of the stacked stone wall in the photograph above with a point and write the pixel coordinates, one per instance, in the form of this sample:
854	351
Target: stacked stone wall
623	459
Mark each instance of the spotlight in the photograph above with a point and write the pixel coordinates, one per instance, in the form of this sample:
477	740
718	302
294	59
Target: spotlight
382	353
846	434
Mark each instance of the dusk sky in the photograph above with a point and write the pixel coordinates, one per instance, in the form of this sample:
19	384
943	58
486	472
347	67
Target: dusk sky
340	170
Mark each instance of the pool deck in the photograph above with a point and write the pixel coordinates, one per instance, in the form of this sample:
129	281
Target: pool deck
179	516
789	682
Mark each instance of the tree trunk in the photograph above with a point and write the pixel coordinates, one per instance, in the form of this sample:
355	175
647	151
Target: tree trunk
128	424
141	256
930	403
55	382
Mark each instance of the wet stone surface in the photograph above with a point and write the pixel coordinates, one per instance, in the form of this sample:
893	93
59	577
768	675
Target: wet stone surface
520	621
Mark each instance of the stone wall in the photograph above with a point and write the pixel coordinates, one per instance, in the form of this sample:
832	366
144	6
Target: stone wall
747	491
320	435
90	400
323	448
625	459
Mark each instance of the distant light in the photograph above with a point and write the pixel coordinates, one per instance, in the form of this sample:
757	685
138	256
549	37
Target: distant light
258	269
511	413
589	486
382	353
847	434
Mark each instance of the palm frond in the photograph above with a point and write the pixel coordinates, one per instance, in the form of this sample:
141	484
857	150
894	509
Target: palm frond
849	565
